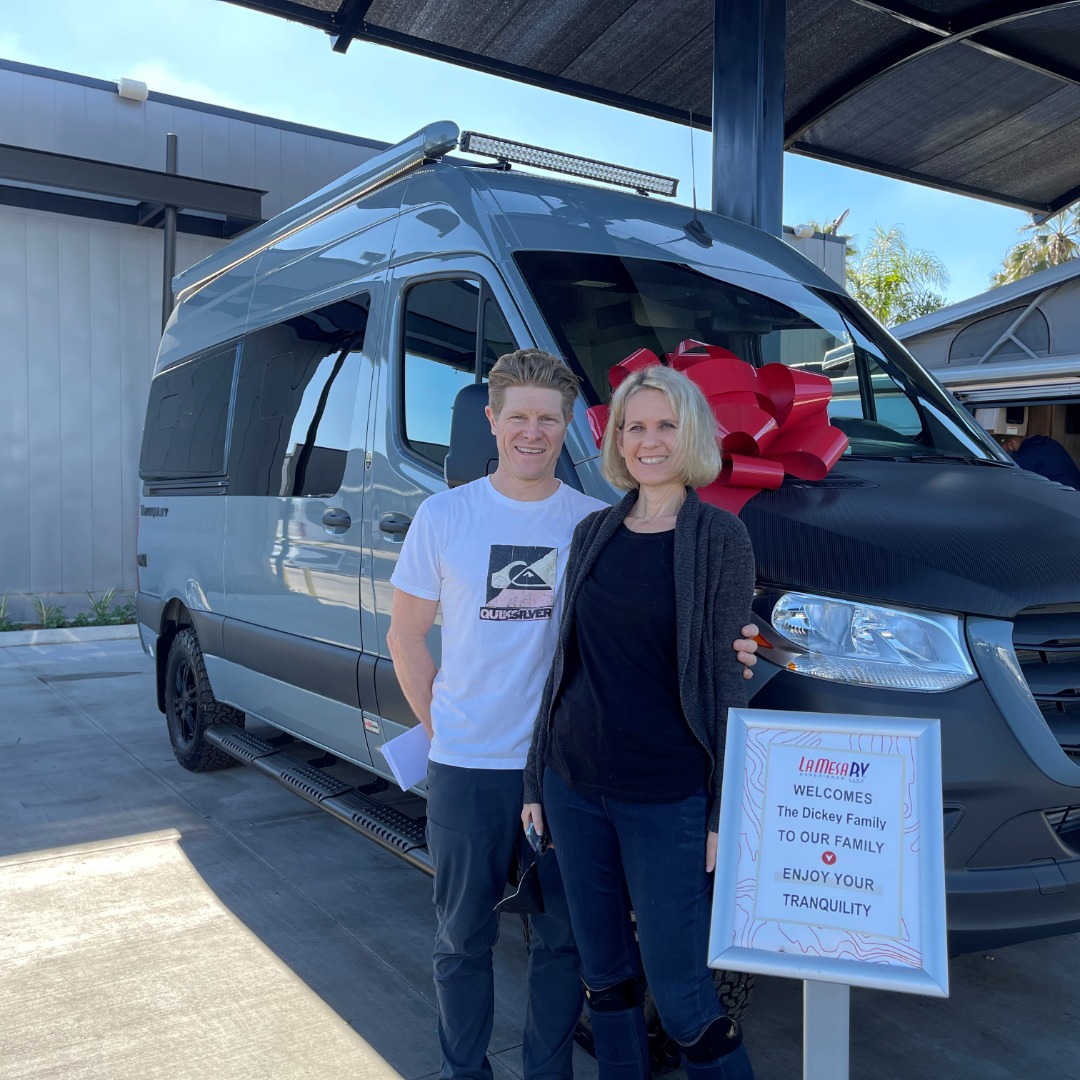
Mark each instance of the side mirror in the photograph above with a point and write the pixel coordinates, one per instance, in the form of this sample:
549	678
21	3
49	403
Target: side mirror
473	452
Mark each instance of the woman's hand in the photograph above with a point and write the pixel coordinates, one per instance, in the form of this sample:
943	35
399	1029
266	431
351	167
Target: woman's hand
711	842
533	812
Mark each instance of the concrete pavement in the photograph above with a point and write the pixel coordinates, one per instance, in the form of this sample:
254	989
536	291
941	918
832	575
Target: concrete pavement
155	922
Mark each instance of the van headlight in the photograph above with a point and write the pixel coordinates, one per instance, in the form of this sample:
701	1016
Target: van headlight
873	646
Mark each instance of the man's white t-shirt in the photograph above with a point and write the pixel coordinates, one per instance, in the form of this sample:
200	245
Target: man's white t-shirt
496	566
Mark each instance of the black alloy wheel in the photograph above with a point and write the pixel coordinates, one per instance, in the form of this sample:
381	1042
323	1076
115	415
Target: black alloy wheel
191	708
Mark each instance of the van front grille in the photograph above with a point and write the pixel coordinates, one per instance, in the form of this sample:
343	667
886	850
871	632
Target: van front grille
1047	645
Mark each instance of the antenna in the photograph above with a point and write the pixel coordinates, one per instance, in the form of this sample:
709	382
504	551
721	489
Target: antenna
695	227
693	165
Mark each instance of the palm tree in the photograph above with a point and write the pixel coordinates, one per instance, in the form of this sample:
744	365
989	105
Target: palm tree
1048	243
896	282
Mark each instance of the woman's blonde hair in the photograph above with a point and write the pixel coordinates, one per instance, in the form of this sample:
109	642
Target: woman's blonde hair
697	452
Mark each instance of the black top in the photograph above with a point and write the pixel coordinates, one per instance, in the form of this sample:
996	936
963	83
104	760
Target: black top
714	584
617	726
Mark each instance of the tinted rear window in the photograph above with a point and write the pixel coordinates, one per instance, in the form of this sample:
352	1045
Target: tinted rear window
187	419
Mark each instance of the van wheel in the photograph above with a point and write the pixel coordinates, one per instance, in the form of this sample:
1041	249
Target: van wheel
733	988
191	708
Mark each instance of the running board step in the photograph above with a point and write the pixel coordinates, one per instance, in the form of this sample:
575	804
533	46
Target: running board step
398	833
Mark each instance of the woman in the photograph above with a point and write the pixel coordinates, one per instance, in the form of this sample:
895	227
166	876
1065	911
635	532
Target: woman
626	759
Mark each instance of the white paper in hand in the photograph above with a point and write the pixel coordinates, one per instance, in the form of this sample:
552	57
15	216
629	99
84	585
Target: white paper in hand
407	756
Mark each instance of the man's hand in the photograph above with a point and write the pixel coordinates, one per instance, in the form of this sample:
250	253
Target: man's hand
745	648
711	843
411	617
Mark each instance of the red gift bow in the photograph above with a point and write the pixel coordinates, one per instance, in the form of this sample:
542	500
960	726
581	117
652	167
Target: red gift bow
769	421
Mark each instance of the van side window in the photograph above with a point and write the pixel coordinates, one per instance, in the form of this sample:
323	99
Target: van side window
440	358
892	406
186	419
295	400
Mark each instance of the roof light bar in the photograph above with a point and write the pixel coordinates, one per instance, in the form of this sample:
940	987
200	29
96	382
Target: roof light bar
472	142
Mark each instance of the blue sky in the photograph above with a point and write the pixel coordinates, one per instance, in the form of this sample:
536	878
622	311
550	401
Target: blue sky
213	51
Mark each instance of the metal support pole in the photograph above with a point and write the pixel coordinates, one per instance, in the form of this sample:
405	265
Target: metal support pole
169	227
748	111
826	1020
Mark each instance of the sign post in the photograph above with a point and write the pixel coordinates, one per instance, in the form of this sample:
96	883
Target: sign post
831	863
826	1011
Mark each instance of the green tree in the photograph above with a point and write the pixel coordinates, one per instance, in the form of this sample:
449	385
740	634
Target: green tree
894	281
1049	243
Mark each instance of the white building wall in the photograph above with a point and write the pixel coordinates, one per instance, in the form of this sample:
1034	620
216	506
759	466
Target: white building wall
80	318
828	252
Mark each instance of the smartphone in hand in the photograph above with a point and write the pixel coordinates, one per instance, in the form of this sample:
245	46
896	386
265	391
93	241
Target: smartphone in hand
539	842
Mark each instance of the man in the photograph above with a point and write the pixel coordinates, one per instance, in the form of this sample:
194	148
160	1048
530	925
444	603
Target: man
1043	455
493	554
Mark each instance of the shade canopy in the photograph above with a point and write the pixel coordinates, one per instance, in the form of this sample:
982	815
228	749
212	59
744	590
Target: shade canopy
980	97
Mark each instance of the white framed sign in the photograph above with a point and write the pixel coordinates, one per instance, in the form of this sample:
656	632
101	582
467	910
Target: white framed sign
831	861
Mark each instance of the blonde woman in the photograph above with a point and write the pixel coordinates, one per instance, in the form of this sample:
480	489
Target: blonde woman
626	757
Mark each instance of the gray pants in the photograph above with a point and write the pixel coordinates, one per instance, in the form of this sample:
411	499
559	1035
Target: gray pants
474	817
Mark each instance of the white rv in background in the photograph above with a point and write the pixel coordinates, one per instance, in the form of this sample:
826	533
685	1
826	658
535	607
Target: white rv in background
1011	354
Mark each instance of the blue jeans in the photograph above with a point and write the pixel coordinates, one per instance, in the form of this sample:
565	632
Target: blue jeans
474	821
620	856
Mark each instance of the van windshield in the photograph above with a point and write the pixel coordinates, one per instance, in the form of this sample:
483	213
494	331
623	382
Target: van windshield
600	308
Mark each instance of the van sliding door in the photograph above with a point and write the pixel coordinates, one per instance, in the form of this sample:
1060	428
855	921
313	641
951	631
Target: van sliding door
294	547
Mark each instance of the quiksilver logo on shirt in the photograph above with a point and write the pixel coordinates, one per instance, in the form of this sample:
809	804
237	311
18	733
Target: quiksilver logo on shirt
520	583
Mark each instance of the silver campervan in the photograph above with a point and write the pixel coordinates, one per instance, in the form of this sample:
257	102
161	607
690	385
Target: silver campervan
301	411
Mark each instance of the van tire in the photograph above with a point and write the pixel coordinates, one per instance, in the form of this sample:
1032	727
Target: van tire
733	988
191	708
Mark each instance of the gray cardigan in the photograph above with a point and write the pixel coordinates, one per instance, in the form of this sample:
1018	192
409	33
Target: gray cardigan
714	585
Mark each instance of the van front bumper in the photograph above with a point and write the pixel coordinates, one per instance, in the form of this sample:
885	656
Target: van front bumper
988	909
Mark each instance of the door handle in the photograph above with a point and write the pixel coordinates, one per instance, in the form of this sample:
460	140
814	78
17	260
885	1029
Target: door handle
395	524
336	518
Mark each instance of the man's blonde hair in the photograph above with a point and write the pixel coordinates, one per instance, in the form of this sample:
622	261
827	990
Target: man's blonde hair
697	452
531	367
